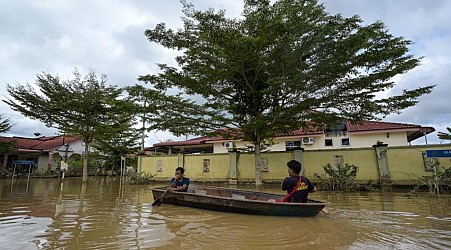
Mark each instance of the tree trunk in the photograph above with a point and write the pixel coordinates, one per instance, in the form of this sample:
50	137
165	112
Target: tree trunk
258	165
85	163
82	198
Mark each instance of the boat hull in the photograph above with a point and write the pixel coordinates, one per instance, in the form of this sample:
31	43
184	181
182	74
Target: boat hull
238	201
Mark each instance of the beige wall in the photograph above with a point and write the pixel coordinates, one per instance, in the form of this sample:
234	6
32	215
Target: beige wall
357	140
219	166
364	158
148	164
405	164
369	139
219	148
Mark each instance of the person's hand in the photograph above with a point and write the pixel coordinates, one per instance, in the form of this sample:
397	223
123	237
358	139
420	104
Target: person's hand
170	189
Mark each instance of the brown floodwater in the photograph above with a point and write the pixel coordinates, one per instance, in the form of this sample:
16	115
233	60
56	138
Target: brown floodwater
104	214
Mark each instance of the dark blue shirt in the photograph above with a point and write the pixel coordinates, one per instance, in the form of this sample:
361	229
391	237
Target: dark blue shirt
178	184
301	193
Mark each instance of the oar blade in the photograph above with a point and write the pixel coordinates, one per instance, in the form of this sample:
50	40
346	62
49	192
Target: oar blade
156	202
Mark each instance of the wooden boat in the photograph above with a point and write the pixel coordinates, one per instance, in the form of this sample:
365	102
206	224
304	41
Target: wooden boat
238	201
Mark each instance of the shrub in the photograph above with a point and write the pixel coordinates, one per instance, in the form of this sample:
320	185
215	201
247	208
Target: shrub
436	181
341	178
139	178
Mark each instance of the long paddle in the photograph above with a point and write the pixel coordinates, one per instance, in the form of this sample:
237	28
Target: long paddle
159	200
325	211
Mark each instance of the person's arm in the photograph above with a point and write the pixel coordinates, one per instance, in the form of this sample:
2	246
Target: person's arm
172	182
284	184
182	188
311	188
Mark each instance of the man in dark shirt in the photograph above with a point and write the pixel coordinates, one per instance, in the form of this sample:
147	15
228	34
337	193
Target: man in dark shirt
291	182
179	183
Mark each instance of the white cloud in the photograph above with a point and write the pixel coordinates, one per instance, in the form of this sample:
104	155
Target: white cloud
108	36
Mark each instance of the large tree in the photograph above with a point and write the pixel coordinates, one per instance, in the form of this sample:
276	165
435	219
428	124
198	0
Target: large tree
85	106
282	66
123	142
146	104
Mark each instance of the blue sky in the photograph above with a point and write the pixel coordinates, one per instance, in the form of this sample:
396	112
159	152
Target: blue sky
108	36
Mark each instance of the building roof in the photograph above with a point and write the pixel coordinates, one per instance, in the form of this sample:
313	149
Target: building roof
194	141
362	127
375	126
39	144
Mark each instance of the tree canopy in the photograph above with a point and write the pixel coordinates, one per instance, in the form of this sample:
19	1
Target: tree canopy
85	106
445	136
120	143
282	66
6	145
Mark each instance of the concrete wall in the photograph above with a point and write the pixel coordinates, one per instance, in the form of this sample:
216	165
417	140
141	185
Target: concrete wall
405	164
218	169
168	164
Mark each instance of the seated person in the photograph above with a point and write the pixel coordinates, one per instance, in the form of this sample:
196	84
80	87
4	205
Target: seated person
302	185
179	183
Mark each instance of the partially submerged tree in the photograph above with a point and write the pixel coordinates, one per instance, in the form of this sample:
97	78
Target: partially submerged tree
84	106
281	67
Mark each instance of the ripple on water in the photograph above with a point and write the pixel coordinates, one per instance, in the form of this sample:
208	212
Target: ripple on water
103	219
445	219
395	230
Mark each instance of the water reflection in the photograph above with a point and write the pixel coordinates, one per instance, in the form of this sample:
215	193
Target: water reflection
108	214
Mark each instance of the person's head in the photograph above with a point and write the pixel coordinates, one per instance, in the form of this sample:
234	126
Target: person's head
294	166
179	172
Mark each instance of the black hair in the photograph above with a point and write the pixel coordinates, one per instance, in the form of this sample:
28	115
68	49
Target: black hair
182	170
295	166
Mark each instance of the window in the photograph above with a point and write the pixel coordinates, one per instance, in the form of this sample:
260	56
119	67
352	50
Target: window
328	142
292	145
345	142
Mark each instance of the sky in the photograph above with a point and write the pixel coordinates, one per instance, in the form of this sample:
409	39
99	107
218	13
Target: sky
57	36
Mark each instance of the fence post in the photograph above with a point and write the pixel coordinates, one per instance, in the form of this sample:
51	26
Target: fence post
232	167
181	160
382	163
298	157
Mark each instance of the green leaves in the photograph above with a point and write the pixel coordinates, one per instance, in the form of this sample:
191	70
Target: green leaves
341	177
445	136
280	66
84	106
5	124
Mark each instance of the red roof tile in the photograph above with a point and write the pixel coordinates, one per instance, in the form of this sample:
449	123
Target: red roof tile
40	143
55	142
373	125
194	141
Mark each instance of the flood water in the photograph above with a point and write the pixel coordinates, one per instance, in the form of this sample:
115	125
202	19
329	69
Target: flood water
107	215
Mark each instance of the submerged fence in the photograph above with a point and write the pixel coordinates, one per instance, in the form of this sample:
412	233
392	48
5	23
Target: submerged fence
397	165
